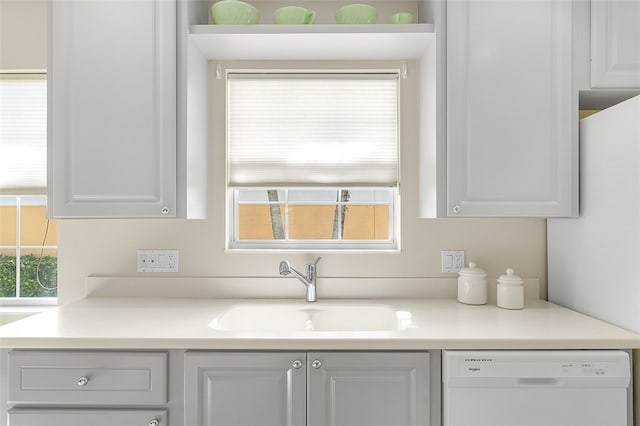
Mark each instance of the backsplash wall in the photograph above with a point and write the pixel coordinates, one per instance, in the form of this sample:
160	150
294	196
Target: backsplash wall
108	247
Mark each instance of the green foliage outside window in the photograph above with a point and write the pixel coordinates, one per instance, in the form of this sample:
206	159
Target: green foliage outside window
29	285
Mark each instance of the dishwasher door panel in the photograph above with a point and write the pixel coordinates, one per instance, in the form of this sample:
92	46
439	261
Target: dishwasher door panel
541	406
536	388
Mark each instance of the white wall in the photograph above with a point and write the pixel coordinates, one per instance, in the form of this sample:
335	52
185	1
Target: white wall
108	247
23	29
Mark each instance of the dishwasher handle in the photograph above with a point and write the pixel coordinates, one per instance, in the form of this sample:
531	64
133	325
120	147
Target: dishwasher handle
538	381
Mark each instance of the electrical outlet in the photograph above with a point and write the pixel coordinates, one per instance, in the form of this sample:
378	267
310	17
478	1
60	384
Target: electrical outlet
452	260
157	260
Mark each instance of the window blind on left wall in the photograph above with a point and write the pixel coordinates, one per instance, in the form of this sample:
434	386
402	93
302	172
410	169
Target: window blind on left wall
23	134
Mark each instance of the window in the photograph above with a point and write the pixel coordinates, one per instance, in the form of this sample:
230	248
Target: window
313	159
28	250
315	218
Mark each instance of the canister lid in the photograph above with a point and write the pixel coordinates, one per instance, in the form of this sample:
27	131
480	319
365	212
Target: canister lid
510	278
472	270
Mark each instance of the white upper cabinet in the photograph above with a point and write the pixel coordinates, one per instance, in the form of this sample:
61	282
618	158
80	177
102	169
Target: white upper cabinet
511	111
615	43
112	108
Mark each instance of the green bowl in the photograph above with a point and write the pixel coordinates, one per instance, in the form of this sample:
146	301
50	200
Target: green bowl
234	12
357	14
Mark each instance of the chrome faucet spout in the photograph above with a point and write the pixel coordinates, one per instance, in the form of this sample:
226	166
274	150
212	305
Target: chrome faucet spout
309	280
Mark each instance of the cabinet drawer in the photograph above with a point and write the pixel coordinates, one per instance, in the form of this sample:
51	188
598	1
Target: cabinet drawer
97	378
56	417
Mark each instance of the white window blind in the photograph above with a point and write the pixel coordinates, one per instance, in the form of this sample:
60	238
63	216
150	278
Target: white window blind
23	134
310	129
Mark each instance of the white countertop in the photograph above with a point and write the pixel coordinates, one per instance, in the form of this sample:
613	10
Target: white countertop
183	323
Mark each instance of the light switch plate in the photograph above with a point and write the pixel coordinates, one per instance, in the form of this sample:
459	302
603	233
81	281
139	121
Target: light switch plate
452	260
157	260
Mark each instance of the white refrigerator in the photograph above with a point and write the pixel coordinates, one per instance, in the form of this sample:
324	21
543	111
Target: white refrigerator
594	260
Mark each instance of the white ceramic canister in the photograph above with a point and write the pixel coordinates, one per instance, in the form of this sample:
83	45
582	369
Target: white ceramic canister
472	285
510	291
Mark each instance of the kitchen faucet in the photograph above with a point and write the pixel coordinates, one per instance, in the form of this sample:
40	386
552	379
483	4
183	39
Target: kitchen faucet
309	281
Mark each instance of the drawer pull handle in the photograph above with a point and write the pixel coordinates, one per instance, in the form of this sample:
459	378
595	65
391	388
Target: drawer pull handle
82	381
154	422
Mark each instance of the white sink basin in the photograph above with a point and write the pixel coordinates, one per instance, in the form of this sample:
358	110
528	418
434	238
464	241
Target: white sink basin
318	316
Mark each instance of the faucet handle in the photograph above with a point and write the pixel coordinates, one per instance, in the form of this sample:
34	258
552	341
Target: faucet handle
311	268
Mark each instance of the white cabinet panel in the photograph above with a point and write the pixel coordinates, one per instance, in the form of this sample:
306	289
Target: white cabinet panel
112	108
244	389
314	389
367	389
92	378
512	138
78	417
615	43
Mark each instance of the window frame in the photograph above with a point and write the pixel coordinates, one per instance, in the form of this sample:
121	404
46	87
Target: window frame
318	67
390	244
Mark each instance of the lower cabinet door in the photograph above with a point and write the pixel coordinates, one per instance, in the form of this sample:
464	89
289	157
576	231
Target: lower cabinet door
245	389
76	417
368	389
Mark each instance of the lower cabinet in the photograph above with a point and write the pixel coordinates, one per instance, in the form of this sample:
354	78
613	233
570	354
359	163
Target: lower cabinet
364	389
219	388
91	378
243	388
68	417
312	388
73	388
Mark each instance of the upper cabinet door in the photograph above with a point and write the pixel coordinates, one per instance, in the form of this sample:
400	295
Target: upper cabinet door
112	108
511	111
615	43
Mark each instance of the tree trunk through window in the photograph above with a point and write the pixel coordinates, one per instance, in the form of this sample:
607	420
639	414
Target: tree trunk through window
340	215
276	215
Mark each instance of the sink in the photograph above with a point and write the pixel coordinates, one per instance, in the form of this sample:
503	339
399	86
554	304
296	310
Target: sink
318	316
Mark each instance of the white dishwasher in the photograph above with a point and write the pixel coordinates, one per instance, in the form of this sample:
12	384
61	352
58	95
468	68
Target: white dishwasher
536	388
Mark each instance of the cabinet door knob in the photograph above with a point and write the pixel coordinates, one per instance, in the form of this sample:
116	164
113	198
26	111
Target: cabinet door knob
82	381
456	209
154	422
316	363
297	364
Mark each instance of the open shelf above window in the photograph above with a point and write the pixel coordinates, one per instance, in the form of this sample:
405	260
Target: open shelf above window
312	42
